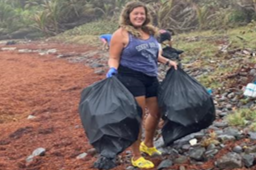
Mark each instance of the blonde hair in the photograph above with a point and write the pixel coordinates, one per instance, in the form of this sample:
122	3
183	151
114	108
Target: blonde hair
125	22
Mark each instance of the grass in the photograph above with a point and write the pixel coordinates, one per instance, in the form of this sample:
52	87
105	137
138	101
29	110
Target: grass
211	139
87	33
253	127
236	119
79	39
241	117
204	46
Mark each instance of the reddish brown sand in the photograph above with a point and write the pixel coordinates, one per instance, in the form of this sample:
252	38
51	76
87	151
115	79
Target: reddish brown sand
48	88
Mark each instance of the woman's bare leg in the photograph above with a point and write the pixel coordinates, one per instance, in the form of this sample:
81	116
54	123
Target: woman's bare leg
136	145
151	121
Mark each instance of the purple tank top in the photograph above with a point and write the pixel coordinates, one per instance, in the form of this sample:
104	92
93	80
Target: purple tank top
141	55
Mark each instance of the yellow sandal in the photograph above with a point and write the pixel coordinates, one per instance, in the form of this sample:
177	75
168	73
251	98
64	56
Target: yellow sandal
151	151
142	163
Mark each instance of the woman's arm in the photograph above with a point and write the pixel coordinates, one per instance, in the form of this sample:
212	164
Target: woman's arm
116	46
166	61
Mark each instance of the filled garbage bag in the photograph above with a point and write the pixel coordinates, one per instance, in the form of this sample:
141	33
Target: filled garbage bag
111	119
185	104
171	53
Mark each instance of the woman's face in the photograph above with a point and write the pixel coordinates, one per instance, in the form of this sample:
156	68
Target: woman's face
138	16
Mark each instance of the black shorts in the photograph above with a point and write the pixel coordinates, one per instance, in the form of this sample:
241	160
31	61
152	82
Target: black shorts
138	83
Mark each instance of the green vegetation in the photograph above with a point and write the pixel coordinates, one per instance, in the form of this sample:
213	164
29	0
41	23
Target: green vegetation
202	50
12	18
52	17
241	116
253	127
93	28
88	33
210	139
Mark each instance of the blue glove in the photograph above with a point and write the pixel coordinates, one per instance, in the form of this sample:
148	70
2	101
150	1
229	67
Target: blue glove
112	71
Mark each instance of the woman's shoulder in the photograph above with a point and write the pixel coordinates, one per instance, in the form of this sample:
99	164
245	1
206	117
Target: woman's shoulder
120	35
120	32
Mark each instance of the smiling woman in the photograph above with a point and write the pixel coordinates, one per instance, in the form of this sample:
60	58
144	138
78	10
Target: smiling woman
137	17
134	53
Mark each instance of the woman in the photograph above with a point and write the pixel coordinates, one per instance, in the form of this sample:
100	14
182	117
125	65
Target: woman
134	52
168	51
105	39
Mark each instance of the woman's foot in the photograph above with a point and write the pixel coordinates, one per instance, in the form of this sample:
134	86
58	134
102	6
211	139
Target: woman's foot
151	151
142	163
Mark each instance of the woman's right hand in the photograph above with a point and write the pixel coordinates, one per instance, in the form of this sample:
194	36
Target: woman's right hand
172	64
112	71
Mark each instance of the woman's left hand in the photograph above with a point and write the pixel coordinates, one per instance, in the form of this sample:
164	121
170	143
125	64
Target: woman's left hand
171	63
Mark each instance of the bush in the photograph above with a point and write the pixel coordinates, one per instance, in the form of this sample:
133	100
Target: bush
94	28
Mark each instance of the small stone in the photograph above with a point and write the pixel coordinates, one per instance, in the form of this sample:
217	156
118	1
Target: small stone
39	152
182	168
193	142
30	117
29	158
92	151
180	160
238	149
82	156
99	71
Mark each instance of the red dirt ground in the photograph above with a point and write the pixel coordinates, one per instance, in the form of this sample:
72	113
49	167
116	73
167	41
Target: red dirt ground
48	88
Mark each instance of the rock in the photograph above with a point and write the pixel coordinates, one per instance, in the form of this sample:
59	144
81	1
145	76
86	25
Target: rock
92	151
165	164
252	72
39	152
233	132
131	168
248	160
211	153
51	51
252	135
238	149
31	117
180	160
211	146
10	43
225	138
186	147
96	65
99	71
182	168
8	48
24	51
220	124
159	142
230	161
197	153
193	142
82	156
29	159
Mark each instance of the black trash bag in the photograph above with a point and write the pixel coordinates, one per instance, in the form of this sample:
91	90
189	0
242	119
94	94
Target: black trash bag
172	53
110	116
185	104
105	163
